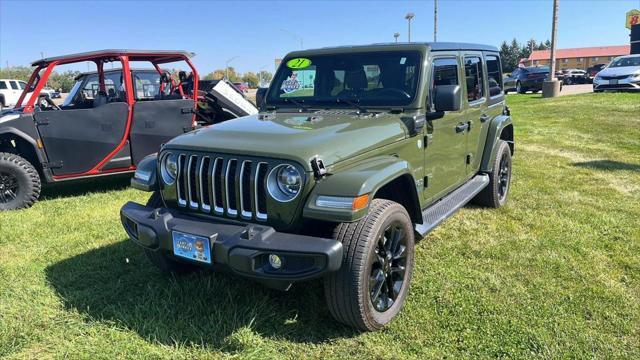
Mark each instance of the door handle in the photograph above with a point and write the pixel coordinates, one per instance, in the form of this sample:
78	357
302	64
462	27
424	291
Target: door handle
462	127
484	118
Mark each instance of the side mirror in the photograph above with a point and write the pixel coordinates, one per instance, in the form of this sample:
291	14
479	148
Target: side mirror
261	93
447	98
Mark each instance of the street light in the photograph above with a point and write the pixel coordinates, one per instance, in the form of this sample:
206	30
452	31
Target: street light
226	67
295	36
396	35
409	16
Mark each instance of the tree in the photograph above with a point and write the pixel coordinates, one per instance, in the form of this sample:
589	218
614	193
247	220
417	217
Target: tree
251	79
16	72
64	80
215	75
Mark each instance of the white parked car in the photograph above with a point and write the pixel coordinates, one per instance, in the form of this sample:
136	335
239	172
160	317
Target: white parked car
10	91
622	74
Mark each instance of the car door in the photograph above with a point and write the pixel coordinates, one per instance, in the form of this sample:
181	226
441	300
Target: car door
510	81
476	116
15	92
157	118
79	138
445	144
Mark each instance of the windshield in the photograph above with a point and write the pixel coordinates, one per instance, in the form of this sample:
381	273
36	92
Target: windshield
72	94
626	61
367	78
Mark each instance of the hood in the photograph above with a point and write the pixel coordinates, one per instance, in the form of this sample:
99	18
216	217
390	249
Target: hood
296	136
619	71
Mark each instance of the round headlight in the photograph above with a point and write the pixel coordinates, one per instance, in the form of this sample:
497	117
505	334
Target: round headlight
284	183
169	168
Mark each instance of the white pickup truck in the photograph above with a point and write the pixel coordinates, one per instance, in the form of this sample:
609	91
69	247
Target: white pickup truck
10	91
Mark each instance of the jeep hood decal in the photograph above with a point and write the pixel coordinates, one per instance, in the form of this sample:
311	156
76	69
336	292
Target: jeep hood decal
296	136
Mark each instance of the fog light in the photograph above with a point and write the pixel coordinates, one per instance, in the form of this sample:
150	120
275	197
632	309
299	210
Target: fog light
275	261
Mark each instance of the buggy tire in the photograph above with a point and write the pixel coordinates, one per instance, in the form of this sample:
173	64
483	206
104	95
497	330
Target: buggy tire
19	182
496	193
158	257
366	275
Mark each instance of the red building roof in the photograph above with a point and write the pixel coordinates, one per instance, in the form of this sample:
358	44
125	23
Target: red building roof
598	51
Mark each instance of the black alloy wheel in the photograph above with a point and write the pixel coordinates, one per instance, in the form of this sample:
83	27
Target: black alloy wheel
388	267
504	175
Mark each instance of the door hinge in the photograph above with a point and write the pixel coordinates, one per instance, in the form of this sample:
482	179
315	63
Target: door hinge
469	157
317	165
44	121
52	165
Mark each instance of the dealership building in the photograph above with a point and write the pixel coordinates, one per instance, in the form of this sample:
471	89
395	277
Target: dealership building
577	58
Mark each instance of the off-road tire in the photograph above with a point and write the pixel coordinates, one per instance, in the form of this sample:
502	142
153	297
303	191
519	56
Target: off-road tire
493	195
347	290
158	257
18	175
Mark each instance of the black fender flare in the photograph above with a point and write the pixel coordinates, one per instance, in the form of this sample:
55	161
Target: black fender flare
145	177
497	125
26	137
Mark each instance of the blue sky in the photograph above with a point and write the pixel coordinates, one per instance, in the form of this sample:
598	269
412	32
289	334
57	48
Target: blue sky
253	30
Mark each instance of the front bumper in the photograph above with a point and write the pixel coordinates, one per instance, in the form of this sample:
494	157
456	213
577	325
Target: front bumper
626	84
242	249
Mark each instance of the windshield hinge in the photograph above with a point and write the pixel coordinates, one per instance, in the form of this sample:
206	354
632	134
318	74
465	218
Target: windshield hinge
396	110
317	165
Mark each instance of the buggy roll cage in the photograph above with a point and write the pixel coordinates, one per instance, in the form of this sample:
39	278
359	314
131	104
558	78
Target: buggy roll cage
156	58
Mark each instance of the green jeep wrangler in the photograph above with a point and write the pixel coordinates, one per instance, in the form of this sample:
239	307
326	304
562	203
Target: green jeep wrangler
357	152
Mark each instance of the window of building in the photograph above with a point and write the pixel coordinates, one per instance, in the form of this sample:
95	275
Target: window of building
596	58
494	75
474	78
564	61
580	59
610	58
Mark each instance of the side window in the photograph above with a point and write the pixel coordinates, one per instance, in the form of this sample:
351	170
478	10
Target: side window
23	85
515	73
14	85
445	72
474	78
494	75
147	85
3	85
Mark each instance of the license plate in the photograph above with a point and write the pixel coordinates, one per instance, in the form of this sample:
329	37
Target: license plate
613	81
192	247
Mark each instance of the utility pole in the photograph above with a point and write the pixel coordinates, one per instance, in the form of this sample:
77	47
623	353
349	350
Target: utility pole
226	67
551	87
435	20
409	17
396	35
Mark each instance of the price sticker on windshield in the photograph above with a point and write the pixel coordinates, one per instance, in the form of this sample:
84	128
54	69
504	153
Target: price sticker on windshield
298	63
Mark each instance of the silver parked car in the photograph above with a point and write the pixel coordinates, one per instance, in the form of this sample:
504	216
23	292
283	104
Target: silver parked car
622	74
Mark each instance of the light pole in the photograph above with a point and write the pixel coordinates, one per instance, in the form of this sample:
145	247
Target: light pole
551	87
295	36
396	35
409	16
226	67
435	20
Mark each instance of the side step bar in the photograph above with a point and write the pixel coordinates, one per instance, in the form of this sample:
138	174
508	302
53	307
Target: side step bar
448	205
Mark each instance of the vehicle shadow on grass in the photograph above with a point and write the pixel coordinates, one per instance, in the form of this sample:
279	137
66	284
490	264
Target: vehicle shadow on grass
117	284
83	187
608	165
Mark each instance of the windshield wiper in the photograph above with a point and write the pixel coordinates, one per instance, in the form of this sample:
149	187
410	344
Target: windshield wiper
355	105
296	102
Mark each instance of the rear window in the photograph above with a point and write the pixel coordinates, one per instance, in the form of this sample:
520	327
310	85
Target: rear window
494	75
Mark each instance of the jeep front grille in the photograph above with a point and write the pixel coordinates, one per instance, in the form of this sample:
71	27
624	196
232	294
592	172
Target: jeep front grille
222	186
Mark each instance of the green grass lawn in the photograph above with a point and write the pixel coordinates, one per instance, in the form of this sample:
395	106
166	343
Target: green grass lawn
555	273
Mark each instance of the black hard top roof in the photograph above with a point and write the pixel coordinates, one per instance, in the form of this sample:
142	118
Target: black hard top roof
433	46
134	55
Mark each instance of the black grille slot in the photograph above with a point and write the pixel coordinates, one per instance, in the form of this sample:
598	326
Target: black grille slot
192	183
218	181
261	186
232	203
204	178
181	181
245	188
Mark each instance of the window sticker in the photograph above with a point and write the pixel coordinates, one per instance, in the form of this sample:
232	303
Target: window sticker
298	63
403	60
291	84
